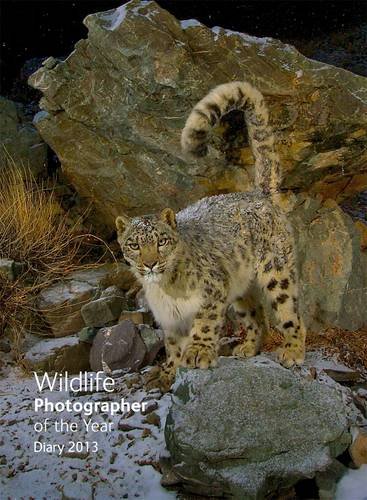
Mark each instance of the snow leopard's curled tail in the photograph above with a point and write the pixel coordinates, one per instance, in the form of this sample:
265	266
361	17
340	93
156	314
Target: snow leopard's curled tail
222	100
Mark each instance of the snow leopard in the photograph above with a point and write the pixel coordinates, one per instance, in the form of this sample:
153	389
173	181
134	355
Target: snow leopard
195	264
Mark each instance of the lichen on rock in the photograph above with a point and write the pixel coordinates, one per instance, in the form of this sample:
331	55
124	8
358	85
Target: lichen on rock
247	429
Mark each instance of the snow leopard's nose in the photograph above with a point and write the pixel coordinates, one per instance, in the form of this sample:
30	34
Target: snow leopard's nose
150	264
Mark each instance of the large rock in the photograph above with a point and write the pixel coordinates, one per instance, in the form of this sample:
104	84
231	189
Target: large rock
114	109
20	141
249	428
62	302
333	270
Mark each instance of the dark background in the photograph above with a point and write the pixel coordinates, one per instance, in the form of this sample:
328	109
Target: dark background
34	28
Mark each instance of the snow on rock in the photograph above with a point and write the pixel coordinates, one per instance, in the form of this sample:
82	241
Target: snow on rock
218	30
113	18
189	23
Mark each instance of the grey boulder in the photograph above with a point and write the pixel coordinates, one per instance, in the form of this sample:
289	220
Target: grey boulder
249	428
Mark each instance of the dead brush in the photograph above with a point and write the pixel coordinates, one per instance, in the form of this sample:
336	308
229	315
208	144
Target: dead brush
34	232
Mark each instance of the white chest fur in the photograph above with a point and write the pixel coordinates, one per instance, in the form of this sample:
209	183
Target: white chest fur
172	313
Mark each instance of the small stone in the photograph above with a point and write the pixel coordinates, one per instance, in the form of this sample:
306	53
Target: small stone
153	419
137	317
7	269
61	303
118	347
113	291
123	426
5	346
50	62
87	334
146	433
102	311
151	406
154	341
120	439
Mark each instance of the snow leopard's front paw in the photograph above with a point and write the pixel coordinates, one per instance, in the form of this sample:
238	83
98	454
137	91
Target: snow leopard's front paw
160	377
246	350
290	355
199	356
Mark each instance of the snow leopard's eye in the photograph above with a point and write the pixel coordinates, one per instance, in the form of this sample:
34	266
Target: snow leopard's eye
134	246
162	242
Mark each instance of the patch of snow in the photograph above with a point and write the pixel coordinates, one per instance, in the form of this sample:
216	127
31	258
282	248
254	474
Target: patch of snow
114	470
41	115
114	17
189	23
218	30
48	346
353	485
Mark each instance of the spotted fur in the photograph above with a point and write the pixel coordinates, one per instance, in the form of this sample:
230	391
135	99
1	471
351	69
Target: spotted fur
213	254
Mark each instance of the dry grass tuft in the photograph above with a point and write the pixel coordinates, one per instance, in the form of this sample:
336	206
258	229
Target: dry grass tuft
34	232
349	347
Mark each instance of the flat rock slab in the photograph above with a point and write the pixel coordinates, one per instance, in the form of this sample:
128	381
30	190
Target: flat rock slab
251	427
59	355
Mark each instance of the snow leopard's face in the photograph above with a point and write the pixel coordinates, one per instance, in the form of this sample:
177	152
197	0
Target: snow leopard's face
148	243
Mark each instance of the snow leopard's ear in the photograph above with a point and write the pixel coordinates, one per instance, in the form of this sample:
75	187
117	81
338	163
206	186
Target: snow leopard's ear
168	216
121	223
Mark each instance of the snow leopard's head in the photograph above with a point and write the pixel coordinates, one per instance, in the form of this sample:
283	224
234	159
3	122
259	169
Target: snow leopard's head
148	243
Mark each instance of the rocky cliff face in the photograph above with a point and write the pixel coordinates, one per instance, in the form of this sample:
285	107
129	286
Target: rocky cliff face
114	109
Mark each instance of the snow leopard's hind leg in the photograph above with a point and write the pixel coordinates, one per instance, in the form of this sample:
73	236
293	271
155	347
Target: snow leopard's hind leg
280	285
249	319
